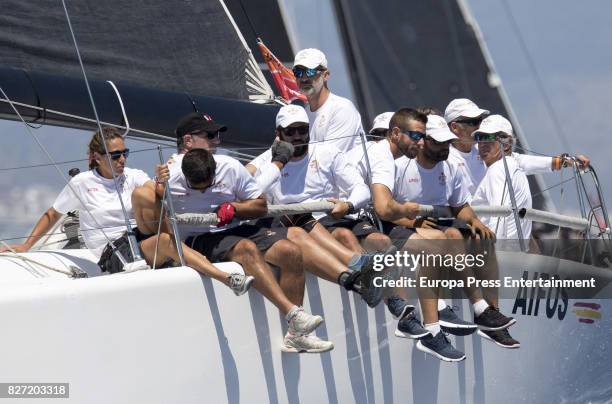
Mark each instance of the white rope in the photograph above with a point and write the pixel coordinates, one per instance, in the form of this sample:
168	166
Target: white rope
28	261
125	118
207	219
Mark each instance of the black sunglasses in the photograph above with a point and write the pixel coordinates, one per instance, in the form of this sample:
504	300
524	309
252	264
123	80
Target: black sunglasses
199	187
470	122
116	155
413	134
301	130
435	142
209	136
379	133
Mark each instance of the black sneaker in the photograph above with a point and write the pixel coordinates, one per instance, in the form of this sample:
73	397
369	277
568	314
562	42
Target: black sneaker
501	338
398	307
352	281
493	320
440	347
453	324
410	327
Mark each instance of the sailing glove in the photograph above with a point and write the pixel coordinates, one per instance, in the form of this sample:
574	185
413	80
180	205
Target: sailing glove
225	213
282	151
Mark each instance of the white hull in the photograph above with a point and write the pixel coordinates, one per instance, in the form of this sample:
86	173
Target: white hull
169	336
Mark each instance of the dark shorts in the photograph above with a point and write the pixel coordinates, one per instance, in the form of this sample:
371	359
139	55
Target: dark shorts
110	262
360	227
217	246
398	234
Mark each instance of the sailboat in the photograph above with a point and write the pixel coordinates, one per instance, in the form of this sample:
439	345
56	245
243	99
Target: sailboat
172	336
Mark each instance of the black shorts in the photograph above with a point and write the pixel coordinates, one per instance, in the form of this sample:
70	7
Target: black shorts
217	246
398	234
360	227
110	262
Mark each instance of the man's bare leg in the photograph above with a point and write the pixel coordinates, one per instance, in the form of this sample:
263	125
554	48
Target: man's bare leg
166	249
316	260
330	244
287	256
248	255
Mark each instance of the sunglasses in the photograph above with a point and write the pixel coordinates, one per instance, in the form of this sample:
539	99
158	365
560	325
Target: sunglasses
199	187
413	134
116	155
379	133
470	122
301	130
209	136
435	142
299	72
490	137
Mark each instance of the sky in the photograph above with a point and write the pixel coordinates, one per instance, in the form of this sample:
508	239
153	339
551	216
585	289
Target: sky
566	43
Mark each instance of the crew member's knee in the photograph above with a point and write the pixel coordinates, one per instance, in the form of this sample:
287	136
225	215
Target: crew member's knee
453	234
377	241
345	236
245	250
289	253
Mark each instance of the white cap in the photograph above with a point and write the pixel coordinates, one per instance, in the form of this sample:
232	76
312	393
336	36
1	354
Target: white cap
381	121
290	114
495	124
310	58
438	129
462	107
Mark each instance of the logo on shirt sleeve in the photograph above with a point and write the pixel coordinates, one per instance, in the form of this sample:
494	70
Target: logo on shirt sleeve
442	179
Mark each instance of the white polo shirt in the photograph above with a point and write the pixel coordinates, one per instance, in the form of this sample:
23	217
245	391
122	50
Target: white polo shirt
441	185
101	201
336	119
322	173
232	183
474	169
381	161
493	190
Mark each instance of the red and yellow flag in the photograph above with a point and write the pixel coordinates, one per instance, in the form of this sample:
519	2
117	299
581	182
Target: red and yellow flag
284	80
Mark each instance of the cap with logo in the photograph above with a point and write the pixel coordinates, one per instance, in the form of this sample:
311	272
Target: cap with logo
310	58
463	108
290	114
495	124
437	128
198	122
381	121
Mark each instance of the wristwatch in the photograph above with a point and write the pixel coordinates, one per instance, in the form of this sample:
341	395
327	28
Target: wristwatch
351	208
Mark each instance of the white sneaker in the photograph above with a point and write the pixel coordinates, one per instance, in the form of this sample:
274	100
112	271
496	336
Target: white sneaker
303	323
305	343
239	282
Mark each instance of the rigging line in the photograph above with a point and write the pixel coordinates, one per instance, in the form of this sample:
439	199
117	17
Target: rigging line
157	136
554	186
131	239
125	118
536	75
63	232
248	19
42	147
73	161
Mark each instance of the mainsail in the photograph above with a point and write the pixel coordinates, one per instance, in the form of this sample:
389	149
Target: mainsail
166	59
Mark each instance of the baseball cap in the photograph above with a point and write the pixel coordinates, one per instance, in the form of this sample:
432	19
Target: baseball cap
381	121
290	114
310	58
495	124
198	122
463	108
437	128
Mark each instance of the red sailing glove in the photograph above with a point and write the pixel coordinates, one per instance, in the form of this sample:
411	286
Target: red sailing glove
225	213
